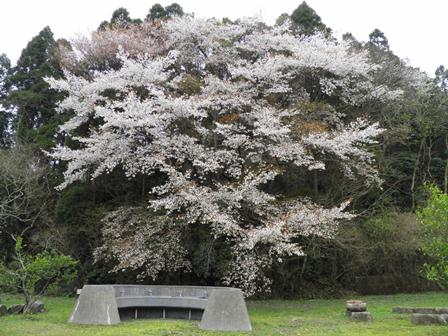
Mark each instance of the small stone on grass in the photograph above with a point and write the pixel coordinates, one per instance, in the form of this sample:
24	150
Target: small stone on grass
16	309
361	316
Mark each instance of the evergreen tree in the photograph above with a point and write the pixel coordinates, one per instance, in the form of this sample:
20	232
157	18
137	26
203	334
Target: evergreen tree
441	77
174	10
120	17
307	21
5	115
353	41
157	11
379	40
282	19
35	120
103	25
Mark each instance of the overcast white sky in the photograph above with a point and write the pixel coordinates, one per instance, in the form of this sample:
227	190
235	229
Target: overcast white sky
417	30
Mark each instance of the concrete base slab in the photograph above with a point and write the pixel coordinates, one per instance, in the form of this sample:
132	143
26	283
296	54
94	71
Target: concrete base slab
226	311
96	305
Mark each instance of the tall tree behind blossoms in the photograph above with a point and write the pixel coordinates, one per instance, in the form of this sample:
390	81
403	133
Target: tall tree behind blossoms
35	120
157	12
120	18
5	113
306	21
414	145
219	113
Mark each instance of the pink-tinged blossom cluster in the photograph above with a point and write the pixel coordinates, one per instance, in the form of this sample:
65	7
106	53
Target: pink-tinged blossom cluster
99	50
219	144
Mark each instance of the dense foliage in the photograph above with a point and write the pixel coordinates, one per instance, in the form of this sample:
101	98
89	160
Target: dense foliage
434	219
33	274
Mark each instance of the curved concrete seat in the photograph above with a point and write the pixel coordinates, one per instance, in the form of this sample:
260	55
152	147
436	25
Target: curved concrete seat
217	308
161	301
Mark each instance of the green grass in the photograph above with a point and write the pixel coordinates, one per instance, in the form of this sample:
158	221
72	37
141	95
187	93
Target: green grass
273	317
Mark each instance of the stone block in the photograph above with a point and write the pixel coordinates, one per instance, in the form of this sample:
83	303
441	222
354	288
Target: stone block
425	310
16	309
3	310
403	310
361	316
420	310
431	310
442	310
36	307
427	319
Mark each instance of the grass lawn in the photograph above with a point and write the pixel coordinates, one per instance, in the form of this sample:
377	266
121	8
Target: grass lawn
273	317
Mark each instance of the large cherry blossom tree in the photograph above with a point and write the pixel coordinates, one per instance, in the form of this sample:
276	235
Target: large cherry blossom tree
217	108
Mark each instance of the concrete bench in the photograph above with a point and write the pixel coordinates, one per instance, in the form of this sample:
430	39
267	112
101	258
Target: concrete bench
217	308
